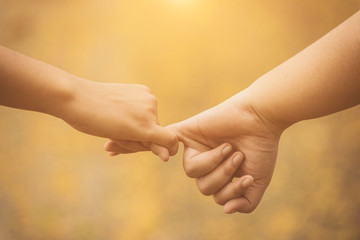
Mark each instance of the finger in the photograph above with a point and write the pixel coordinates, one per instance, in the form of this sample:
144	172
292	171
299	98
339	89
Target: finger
248	202
176	128
233	189
221	175
197	164
113	147
164	137
109	145
134	146
160	151
240	204
112	154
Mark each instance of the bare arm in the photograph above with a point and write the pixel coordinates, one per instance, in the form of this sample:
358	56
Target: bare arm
320	80
126	112
30	84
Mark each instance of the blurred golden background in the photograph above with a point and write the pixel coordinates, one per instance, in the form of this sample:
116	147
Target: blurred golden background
57	183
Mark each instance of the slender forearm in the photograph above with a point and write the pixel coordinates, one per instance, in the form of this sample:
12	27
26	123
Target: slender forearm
27	83
123	112
322	79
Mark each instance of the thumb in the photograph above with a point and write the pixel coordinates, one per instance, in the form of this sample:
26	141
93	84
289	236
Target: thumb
164	137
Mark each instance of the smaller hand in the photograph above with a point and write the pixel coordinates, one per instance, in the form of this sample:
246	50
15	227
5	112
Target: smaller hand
124	113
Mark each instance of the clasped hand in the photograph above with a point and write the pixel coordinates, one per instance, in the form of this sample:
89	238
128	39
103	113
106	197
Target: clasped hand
230	150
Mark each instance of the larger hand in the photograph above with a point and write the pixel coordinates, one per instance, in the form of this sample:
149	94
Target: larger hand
236	122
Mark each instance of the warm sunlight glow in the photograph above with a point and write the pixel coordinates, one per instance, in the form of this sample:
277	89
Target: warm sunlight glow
183	2
57	183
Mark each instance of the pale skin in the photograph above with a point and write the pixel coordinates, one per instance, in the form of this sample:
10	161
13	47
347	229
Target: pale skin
121	112
322	79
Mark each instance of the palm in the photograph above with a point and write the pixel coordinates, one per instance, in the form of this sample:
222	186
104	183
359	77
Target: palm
245	131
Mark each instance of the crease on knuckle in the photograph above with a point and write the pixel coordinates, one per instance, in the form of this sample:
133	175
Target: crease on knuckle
218	200
153	99
248	208
215	159
174	143
228	170
204	188
190	171
144	87
150	107
236	190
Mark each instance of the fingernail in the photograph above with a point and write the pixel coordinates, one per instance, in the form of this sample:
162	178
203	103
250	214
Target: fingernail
226	150
246	183
237	160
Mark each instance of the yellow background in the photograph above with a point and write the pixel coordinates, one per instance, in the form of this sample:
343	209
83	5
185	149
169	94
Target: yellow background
56	183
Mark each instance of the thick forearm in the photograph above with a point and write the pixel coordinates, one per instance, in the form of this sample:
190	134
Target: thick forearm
30	84
322	79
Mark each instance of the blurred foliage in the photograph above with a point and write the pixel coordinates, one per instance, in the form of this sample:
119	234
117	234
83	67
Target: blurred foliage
56	183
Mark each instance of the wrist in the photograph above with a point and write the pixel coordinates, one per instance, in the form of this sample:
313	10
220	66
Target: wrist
245	102
65	94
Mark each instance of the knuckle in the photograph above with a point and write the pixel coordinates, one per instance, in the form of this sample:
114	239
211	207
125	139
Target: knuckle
204	188
150	105
173	139
190	170
153	99
218	200
174	147
236	190
228	170
147	128
152	113
205	191
144	87
215	159
248	209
